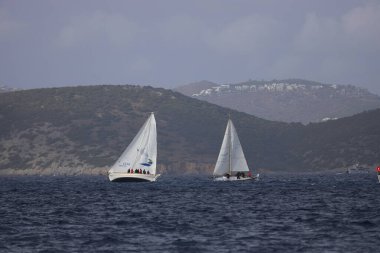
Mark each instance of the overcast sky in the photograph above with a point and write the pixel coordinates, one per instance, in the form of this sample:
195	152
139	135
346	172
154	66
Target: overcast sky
168	43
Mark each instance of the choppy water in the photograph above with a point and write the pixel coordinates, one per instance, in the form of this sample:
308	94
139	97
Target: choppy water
314	213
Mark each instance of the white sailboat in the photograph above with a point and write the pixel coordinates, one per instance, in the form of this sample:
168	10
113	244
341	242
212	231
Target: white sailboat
138	161
231	164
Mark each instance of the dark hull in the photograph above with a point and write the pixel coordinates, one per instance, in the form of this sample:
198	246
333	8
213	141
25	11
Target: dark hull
129	179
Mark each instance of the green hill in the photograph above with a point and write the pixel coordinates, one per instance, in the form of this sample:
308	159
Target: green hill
84	129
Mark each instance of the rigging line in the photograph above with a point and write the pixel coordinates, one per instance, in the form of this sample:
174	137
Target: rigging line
229	146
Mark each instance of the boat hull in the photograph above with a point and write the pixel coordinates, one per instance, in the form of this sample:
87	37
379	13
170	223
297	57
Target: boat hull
234	178
128	177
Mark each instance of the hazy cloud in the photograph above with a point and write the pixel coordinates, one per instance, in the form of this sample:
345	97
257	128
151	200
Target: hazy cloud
112	28
182	29
361	26
358	29
140	66
8	26
245	35
170	42
318	34
333	49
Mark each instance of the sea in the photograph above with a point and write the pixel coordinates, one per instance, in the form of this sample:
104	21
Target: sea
279	213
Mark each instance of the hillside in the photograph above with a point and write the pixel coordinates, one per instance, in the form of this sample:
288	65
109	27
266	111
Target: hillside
84	129
292	100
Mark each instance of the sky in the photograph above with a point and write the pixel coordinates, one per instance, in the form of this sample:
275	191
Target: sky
167	43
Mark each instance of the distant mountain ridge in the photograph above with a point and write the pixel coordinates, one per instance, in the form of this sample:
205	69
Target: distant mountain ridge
291	100
84	129
4	88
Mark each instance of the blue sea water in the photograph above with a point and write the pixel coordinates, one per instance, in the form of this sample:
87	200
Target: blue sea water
284	213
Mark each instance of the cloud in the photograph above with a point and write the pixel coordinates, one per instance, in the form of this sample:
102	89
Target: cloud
140	66
97	26
318	34
8	26
361	26
247	34
340	49
182	29
357	30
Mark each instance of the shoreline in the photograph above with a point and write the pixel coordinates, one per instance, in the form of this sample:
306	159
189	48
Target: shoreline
103	171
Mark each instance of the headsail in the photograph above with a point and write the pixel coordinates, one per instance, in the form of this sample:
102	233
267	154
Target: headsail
238	162
231	157
141	152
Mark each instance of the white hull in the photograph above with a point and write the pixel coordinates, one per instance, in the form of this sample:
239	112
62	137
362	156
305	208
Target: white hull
234	178
129	177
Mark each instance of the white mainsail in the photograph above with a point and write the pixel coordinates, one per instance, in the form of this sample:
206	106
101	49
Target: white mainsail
141	152
231	157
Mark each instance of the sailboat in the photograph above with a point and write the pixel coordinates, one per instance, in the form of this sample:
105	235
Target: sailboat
231	164
138	161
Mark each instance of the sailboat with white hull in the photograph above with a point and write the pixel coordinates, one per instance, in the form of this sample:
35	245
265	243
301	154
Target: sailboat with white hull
231	164
138	161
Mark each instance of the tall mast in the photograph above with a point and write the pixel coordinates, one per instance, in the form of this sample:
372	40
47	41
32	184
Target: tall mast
229	143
